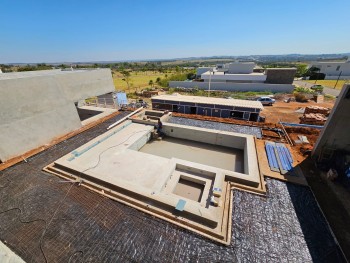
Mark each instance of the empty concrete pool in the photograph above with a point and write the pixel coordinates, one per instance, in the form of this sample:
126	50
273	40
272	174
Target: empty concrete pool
198	152
185	178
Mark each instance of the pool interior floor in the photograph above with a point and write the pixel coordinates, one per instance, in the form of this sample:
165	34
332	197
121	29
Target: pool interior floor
213	155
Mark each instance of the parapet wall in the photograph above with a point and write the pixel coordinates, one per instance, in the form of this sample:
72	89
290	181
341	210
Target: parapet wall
37	107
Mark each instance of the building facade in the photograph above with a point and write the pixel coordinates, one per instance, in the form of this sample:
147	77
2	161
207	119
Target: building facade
213	107
333	70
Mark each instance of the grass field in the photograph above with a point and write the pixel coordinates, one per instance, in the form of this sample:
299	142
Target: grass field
138	80
330	83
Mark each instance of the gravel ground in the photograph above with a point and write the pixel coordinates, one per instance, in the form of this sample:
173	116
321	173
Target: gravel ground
217	126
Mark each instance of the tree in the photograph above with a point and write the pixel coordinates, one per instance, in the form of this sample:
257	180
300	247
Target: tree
158	80
126	78
301	70
150	83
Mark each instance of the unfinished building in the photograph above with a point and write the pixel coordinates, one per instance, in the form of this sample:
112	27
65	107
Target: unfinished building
179	198
39	106
215	107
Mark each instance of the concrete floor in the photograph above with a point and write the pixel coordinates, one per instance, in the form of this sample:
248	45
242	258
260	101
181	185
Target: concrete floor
198	152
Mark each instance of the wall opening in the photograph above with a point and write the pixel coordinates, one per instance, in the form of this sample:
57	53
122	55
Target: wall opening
193	110
254	116
237	114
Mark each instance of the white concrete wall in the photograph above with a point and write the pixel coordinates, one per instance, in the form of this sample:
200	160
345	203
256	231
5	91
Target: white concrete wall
284	88
256	77
330	68
240	67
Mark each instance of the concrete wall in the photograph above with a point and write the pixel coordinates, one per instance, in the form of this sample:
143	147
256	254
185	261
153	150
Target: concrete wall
240	67
333	68
36	107
83	84
336	131
285	88
280	75
32	112
219	76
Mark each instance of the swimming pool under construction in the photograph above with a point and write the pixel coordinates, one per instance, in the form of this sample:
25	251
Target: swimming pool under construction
186	177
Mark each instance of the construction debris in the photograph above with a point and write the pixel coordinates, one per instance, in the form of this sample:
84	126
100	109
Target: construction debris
313	118
317	109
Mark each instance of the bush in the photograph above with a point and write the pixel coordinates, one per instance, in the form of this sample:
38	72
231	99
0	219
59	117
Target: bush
300	97
303	90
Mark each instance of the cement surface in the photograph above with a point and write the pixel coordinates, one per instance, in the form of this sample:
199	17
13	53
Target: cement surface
198	152
285	226
86	117
8	256
36	107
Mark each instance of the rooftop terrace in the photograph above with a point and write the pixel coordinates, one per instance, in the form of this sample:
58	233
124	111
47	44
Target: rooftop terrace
46	220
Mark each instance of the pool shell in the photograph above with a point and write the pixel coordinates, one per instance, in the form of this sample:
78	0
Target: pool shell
112	165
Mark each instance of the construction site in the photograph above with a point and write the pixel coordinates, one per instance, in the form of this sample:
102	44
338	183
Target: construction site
84	181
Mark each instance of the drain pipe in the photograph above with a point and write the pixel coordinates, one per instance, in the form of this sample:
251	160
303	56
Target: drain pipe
123	119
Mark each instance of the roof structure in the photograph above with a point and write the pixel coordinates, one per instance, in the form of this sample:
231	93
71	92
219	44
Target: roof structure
209	100
44	219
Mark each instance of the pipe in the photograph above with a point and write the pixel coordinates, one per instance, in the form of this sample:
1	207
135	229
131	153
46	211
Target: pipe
123	119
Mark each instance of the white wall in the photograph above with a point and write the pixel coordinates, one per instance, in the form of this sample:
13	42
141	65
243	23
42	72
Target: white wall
330	68
240	67
284	88
219	76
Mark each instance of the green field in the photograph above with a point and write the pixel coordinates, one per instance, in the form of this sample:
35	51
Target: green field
138	80
330	83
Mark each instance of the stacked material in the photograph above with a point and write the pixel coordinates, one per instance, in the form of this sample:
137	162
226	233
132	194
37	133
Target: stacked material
313	118
279	157
317	109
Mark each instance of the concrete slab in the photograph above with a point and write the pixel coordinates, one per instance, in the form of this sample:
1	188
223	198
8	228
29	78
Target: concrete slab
115	165
8	256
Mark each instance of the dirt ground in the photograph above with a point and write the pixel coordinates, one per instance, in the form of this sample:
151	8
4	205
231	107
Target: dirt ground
282	111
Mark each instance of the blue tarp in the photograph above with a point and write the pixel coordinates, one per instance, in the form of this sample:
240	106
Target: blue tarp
121	98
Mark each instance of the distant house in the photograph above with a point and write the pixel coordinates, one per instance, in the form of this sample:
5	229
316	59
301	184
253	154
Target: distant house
240	76
333	70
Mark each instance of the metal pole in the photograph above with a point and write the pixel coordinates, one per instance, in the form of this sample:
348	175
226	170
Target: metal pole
209	82
338	79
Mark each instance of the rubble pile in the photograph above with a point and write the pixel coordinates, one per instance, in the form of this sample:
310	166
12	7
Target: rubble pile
317	109
313	118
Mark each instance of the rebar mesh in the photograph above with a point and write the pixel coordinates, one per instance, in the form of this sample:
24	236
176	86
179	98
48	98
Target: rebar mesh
286	226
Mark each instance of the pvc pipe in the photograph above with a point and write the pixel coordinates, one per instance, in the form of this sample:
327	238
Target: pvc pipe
123	119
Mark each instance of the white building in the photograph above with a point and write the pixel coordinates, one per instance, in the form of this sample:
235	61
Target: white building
333	70
237	72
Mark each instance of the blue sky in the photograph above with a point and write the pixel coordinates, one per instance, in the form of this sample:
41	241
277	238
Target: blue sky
91	30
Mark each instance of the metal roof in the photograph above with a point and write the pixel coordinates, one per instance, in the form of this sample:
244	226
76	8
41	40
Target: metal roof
214	101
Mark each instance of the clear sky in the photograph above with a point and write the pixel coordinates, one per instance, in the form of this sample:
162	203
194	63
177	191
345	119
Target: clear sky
109	30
